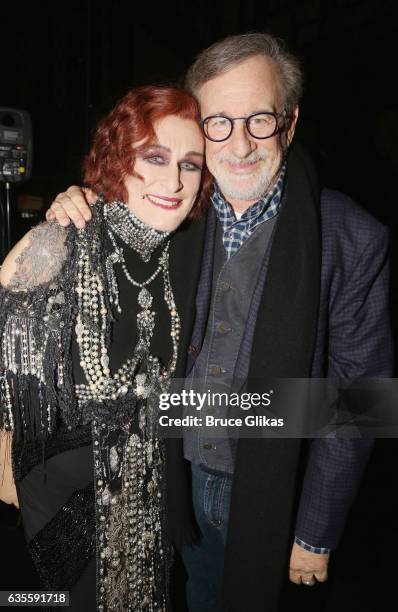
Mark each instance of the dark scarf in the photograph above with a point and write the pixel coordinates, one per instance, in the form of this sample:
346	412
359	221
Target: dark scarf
284	341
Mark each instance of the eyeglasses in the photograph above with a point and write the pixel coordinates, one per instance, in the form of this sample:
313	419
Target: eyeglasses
259	125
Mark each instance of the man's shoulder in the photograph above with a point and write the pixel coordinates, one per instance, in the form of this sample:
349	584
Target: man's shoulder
343	217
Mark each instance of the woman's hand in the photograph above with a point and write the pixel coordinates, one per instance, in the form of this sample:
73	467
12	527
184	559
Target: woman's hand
72	206
8	492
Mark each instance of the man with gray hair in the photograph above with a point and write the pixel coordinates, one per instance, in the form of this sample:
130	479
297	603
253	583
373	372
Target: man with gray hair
293	284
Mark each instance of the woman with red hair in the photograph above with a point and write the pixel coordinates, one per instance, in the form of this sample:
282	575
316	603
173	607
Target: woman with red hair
90	326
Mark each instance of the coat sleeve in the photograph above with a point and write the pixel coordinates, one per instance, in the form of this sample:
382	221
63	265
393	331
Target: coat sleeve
360	345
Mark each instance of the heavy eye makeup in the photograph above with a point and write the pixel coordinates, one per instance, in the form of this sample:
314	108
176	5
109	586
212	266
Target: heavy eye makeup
190	165
160	157
155	157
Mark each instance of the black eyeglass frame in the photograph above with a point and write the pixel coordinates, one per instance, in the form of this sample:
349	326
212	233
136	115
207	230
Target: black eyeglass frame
231	120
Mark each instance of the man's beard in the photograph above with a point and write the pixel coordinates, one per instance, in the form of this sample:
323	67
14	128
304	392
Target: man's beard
260	183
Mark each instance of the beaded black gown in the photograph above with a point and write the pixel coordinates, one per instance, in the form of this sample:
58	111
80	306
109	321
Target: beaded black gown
56	490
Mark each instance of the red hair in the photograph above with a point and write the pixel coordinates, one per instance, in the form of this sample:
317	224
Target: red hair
113	151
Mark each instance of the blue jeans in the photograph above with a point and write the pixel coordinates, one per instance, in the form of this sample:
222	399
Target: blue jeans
205	562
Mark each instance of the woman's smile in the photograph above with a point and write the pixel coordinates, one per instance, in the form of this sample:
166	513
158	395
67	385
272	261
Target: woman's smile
164	202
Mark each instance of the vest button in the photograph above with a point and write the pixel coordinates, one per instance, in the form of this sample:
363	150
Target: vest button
215	370
207	445
225	285
223	327
193	350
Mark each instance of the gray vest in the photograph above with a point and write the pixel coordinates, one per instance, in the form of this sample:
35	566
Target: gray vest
233	285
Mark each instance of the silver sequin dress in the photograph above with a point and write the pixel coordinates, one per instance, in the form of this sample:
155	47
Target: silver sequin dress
89	475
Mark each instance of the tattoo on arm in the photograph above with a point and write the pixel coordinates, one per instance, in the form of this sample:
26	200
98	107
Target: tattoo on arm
42	259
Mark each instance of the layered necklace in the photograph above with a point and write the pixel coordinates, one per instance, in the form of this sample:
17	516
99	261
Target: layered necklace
92	312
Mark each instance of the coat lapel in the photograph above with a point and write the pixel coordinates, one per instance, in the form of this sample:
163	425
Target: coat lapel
185	257
203	295
185	266
285	332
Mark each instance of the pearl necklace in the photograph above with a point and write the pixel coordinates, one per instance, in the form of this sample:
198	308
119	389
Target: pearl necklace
91	324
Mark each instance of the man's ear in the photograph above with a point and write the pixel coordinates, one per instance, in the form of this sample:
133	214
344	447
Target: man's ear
292	125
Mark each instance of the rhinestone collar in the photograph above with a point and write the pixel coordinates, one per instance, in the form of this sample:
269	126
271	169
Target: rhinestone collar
134	232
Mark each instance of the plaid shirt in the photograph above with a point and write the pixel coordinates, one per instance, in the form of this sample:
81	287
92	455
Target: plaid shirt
315	549
236	231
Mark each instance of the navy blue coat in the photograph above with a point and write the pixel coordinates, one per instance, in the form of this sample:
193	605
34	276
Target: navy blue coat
322	311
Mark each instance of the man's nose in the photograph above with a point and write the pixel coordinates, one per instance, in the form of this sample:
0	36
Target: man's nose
241	143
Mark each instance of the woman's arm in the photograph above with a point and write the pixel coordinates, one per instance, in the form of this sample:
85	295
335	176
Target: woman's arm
8	493
36	259
9	267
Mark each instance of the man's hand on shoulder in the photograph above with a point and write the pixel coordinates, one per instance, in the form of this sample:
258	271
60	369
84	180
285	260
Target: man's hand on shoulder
307	567
72	205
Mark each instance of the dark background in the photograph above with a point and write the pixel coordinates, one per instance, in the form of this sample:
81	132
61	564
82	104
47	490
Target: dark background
66	62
